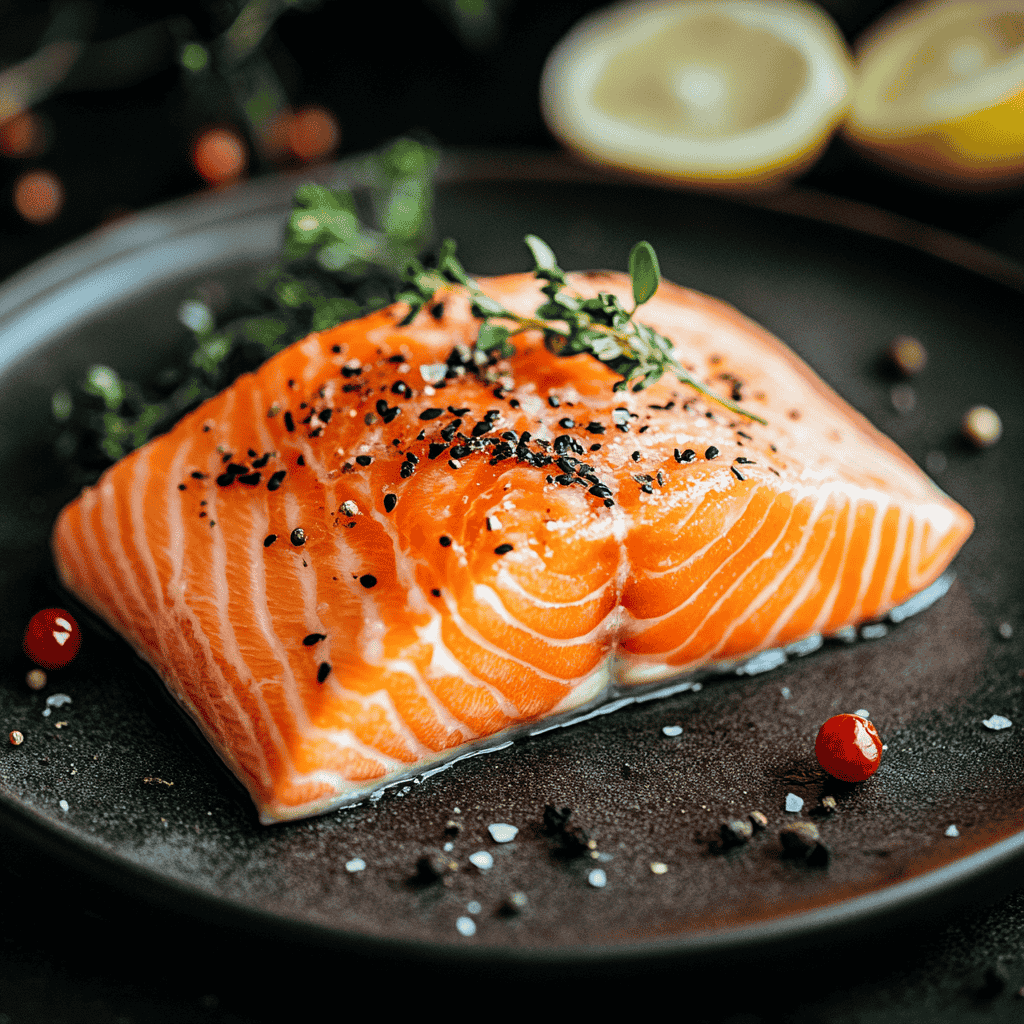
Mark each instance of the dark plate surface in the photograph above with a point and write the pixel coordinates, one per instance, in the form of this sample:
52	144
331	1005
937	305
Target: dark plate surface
112	783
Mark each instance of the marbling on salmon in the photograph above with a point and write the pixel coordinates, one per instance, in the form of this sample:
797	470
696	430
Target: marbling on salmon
372	551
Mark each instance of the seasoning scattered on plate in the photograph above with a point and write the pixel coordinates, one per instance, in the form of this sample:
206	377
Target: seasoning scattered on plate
502	833
997	722
907	355
794	803
982	426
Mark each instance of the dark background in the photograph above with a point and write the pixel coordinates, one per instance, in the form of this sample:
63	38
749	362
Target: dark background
121	125
118	134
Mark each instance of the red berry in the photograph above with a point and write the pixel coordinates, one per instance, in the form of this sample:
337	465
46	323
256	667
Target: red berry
848	748
52	638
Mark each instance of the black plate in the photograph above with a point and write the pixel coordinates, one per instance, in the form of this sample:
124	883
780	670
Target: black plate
112	784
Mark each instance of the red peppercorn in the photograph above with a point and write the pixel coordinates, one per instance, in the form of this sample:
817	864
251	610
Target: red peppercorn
52	638
848	748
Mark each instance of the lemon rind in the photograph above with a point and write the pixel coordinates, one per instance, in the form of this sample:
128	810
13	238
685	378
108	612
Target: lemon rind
894	41
785	143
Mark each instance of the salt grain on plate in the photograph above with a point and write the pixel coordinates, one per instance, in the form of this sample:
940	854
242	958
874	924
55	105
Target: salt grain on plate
997	722
466	926
672	730
794	803
502	833
658	868
482	860
1006	630
354	865
952	831
597	878
474	907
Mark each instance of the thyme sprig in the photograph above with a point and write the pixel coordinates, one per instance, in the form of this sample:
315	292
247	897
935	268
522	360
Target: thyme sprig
571	324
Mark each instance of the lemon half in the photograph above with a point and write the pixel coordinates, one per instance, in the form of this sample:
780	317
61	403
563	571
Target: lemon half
726	92
941	93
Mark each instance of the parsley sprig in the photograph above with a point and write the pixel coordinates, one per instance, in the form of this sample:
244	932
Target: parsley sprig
571	324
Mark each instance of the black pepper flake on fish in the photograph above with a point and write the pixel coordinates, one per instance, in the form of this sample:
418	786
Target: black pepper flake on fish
595	428
460	451
364	460
401	388
313	638
269	539
448	432
406	470
368	580
431	414
387	413
503	549
445	542
711	453
323	671
554	401
567	423
196	475
261	461
298	536
435	449
251	479
736	473
390	501
276	479
746	462
289	422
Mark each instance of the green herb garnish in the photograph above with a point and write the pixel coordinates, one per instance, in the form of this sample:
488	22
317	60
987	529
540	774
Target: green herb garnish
598	326
339	262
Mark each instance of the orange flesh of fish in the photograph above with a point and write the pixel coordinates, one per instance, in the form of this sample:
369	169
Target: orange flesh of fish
443	596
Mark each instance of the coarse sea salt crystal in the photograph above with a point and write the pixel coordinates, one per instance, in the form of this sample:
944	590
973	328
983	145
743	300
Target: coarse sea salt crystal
997	722
482	860
672	730
354	865
466	926
794	803
952	831
597	878
502	833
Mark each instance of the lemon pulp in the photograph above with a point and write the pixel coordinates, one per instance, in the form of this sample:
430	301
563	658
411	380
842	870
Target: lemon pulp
941	92
731	91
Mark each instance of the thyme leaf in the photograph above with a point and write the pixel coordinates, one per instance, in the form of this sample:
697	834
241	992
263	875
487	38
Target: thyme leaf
571	324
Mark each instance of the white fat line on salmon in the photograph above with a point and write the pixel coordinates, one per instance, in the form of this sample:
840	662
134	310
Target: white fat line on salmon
473	635
870	558
812	579
829	603
444	663
443	715
176	525
397	727
92	508
940	520
734	515
642	625
590	688
767	592
263	615
512	583
140	569
751	566
217	577
487	595
900	548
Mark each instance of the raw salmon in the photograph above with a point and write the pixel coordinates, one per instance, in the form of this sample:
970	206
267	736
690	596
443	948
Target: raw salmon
373	552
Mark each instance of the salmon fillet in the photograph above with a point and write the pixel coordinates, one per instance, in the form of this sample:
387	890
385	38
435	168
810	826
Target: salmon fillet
372	552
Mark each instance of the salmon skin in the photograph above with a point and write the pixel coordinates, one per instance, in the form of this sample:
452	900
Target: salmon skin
373	552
